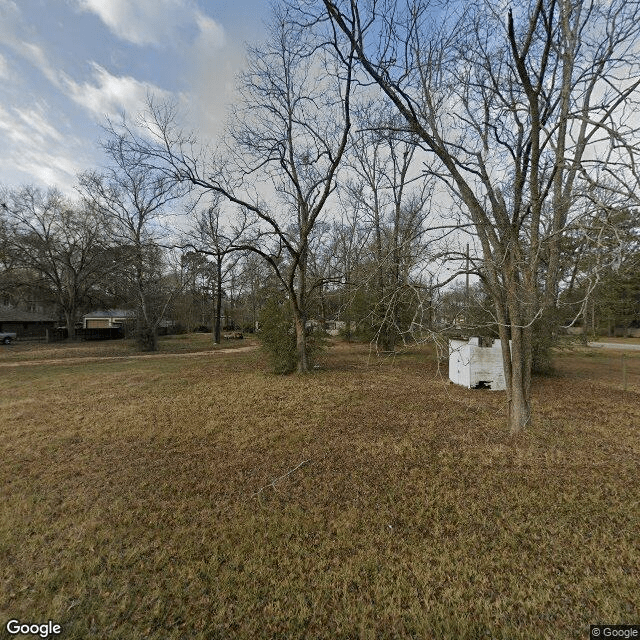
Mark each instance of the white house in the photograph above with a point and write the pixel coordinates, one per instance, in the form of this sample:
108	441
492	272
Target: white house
477	364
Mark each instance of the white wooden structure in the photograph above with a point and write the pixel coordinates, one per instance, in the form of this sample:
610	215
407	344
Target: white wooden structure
476	366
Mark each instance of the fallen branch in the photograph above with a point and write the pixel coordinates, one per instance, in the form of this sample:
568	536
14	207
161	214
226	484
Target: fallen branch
273	482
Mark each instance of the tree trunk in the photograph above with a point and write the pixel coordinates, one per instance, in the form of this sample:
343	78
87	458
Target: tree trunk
347	306
383	338
584	338
323	306
393	312
516	338
147	335
147	338
254	305
299	296
70	321
518	379
301	343
519	406
217	332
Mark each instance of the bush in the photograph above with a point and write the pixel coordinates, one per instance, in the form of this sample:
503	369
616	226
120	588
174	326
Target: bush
179	329
544	339
146	338
202	329
278	336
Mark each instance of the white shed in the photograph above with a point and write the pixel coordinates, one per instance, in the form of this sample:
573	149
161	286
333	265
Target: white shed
477	364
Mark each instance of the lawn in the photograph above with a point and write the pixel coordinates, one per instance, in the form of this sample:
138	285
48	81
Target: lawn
188	343
203	497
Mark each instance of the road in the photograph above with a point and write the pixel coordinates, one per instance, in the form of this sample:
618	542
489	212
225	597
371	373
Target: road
614	345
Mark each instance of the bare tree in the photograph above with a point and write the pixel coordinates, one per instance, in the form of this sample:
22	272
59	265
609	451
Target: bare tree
287	140
56	245
211	238
600	268
132	198
192	308
7	258
293	127
350	238
512	107
393	195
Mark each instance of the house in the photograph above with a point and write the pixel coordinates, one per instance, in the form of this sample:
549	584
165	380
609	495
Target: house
630	331
103	323
27	324
476	363
332	327
109	319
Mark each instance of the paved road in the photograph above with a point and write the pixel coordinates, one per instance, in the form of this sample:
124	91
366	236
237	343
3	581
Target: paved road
614	345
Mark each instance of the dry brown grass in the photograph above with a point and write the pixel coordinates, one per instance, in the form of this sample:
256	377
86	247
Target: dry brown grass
129	505
187	343
620	340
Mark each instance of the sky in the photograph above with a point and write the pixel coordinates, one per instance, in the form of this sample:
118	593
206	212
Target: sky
67	65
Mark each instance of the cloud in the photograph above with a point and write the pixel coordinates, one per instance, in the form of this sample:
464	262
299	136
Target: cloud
104	94
36	55
210	35
29	126
10	15
4	68
35	149
40	129
155	22
12	34
42	145
212	91
110	95
196	37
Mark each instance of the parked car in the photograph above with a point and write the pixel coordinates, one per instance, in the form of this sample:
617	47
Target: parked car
6	338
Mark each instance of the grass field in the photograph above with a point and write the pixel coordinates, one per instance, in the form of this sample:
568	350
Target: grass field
203	497
187	343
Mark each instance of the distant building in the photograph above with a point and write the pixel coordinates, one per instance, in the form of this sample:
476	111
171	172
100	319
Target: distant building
26	324
108	319
334	327
123	319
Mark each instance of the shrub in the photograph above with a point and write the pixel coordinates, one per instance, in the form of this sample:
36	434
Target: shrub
146	338
544	339
179	329
278	336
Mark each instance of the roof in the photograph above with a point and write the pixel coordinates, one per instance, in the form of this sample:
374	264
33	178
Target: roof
111	313
11	314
